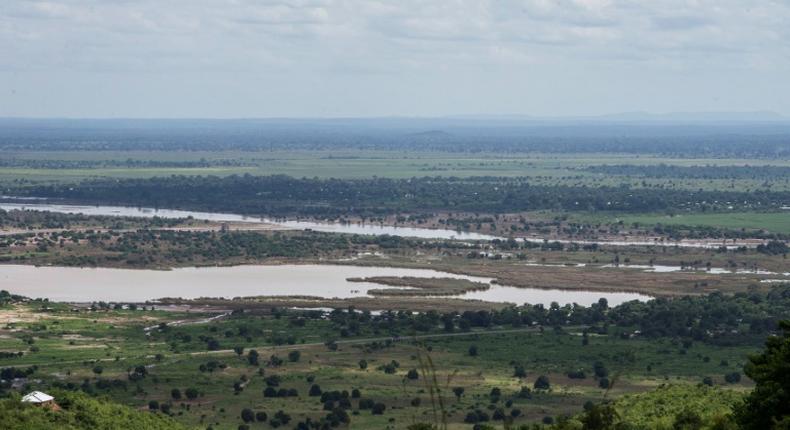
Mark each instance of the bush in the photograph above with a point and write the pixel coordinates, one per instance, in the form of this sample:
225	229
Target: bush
366	404
247	415
769	402
600	370
577	374
192	393
542	383
733	378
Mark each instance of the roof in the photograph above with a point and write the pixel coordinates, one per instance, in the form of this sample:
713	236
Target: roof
37	397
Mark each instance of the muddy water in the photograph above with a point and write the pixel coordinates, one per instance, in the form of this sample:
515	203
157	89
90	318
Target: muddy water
327	281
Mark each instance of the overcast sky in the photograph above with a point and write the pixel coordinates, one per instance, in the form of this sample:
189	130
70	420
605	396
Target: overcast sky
246	58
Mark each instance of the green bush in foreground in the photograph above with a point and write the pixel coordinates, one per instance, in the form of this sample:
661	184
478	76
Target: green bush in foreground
78	411
670	407
768	405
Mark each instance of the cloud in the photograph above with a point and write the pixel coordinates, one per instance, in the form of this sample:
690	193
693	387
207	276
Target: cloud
339	41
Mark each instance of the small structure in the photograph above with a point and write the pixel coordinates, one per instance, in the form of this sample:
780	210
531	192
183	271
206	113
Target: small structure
41	399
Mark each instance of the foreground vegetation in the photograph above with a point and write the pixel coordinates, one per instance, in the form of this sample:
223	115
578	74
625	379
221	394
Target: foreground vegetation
525	365
414	358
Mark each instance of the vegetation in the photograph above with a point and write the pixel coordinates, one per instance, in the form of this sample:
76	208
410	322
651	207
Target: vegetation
768	405
554	202
370	197
78	411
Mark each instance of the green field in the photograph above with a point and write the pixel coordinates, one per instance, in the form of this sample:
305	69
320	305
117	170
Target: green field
777	222
68	347
348	164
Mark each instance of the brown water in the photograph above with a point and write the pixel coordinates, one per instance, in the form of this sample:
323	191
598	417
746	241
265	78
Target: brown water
72	284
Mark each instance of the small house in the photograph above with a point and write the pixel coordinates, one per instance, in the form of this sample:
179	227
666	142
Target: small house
40	399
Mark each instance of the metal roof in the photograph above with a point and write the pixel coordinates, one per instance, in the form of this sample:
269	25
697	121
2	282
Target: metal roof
37	397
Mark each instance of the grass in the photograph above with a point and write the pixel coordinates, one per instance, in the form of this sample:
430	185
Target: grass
344	163
642	364
776	222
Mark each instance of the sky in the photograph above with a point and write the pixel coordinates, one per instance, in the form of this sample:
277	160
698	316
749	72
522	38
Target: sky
422	58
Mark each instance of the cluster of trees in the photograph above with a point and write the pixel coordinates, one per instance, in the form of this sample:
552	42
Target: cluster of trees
283	195
150	247
37	163
25	219
678	231
743	318
694	172
401	135
8	298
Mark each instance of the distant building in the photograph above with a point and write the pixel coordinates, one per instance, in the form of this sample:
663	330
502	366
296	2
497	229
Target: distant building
40	399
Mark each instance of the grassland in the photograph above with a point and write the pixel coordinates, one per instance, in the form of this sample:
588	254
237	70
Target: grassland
778	222
67	345
351	164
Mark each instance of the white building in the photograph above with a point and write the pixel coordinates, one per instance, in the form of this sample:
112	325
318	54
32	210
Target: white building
37	397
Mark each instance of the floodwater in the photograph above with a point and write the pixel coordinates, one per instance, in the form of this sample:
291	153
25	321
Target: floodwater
372	229
71	284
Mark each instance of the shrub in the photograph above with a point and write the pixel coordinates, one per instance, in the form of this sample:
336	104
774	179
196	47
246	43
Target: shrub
191	393
542	383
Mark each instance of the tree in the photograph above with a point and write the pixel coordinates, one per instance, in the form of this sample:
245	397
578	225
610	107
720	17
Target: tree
412	374
542	383
473	351
315	390
519	372
275	361
247	415
294	356
378	409
687	420
458	391
599	417
192	393
733	377
253	357
768	405
239	350
363	364
600	370
98	370
175	393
